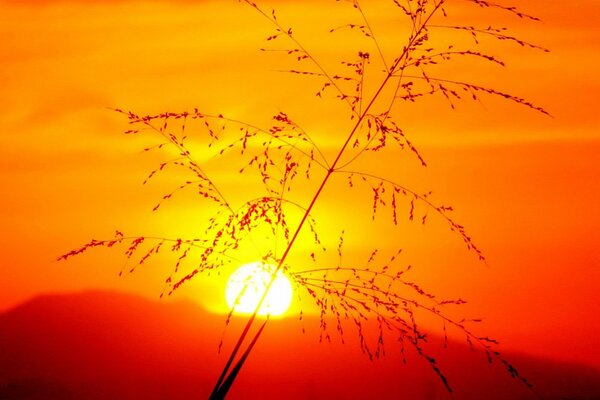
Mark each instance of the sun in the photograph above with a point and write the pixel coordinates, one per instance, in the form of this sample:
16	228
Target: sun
247	284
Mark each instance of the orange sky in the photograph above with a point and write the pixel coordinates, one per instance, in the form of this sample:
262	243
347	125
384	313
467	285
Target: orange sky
525	185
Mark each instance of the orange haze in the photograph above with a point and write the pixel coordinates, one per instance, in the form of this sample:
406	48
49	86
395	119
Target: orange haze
525	185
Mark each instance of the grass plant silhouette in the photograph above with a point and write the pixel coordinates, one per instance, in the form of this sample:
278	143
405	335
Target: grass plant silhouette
279	156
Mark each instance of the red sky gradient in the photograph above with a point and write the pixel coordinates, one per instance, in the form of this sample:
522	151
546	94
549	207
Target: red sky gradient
525	185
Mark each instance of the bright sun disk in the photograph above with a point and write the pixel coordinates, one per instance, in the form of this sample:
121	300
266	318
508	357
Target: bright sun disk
247	284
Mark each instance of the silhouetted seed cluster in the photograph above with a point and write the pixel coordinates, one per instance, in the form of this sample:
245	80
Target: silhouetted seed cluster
372	85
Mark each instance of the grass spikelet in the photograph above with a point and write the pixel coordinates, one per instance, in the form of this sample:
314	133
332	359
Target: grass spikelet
283	159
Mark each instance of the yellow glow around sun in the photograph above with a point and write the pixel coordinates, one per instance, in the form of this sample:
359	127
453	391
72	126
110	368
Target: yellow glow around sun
247	284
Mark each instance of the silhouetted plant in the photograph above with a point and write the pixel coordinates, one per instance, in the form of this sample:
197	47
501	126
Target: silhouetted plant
283	155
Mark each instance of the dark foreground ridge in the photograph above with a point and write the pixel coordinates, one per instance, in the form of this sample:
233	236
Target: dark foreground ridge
101	345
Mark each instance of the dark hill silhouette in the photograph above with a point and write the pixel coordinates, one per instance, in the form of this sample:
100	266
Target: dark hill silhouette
99	345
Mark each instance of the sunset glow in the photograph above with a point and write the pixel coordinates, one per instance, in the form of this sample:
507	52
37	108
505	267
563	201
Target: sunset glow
247	285
487	185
